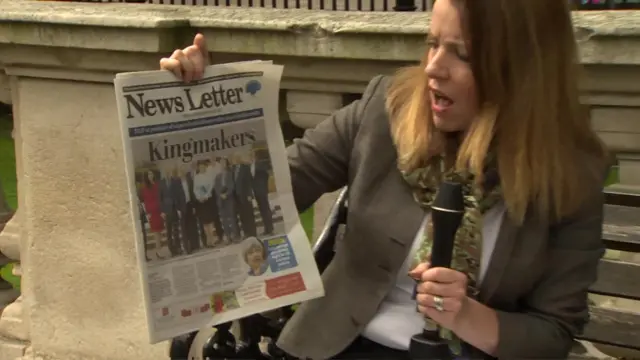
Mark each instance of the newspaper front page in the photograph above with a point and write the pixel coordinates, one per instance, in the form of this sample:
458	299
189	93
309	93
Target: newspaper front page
217	233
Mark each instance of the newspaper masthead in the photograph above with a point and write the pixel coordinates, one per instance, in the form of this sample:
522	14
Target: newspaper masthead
140	105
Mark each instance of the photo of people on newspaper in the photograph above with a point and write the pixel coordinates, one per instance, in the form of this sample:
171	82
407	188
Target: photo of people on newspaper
211	201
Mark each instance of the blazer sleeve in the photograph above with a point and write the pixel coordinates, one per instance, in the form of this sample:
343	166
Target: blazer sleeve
557	310
319	161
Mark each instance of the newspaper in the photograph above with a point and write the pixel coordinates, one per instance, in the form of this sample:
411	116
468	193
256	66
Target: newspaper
217	233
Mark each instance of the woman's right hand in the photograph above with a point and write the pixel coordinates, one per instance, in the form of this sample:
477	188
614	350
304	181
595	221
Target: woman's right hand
188	64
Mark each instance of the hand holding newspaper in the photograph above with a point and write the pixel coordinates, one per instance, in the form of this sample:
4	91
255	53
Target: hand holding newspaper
217	233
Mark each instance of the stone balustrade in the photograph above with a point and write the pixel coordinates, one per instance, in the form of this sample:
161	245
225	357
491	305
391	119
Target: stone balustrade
81	296
14	329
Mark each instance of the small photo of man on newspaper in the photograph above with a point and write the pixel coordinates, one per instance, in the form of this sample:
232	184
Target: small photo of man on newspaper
212	201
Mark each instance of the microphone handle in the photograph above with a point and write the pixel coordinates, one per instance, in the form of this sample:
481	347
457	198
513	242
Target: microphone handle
443	240
443	236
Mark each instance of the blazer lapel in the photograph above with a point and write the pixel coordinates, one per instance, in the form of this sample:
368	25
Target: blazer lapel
405	215
499	259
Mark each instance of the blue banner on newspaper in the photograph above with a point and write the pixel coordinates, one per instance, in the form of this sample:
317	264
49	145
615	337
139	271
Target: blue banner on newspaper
194	123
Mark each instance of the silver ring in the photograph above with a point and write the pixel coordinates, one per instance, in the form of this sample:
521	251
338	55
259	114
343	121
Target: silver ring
438	303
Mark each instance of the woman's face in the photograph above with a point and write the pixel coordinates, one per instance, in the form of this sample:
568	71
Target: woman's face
254	256
452	88
150	175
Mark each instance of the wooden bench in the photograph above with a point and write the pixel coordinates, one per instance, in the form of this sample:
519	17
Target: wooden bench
617	279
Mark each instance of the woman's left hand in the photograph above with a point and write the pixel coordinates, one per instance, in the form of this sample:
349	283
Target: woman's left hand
450	285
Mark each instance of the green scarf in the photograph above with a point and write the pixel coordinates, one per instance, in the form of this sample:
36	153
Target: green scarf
467	250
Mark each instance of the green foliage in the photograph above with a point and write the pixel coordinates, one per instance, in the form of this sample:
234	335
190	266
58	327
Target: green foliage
8	162
306	218
613	177
6	273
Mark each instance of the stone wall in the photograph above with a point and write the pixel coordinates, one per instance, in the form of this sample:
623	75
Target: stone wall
81	292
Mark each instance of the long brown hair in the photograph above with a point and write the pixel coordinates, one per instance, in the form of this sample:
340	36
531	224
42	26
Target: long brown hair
525	63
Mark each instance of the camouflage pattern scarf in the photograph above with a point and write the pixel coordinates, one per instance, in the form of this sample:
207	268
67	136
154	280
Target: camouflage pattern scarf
468	241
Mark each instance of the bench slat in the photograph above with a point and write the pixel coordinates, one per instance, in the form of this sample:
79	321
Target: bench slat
621	229
618	197
613	327
619	279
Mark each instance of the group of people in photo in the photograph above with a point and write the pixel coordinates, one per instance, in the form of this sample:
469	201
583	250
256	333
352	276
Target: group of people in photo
204	204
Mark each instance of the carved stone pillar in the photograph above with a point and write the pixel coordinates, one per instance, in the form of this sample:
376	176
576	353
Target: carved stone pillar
614	97
81	296
14	331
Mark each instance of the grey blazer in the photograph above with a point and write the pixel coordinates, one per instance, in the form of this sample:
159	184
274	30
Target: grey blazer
539	272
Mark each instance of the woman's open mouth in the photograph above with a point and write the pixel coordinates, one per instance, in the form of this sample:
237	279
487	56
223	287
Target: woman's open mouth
439	101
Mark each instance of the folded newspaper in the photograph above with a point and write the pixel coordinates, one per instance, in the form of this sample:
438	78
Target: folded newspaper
217	233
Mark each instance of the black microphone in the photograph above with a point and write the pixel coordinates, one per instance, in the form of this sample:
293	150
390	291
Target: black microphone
447	211
222	345
251	329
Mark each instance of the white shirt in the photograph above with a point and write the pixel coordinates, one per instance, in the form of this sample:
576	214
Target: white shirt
202	185
397	320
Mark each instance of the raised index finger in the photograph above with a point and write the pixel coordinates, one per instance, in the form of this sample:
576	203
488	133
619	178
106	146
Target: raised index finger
201	44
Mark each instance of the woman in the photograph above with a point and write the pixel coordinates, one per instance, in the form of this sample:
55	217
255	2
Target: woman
202	189
255	255
150	194
224	187
494	104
